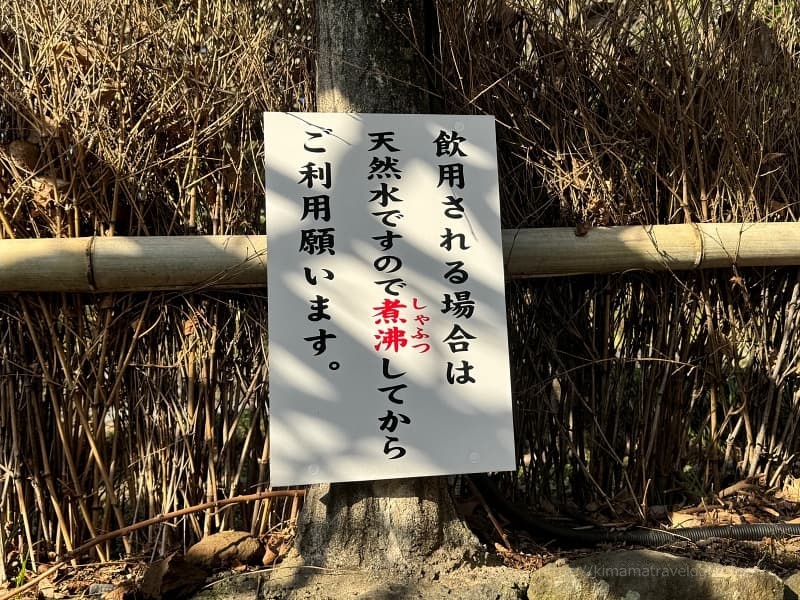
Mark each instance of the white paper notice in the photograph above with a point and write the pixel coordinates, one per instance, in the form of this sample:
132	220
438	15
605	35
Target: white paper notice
388	351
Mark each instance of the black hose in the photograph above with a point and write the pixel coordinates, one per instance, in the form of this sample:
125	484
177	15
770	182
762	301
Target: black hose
638	536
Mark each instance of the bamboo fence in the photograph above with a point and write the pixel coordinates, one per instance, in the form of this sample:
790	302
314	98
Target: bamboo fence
661	384
119	264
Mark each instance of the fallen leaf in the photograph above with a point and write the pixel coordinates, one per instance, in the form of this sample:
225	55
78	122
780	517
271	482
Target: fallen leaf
270	556
795	521
238	567
172	577
47	591
126	591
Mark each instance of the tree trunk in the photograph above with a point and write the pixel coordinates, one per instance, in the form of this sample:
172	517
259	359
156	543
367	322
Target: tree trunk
402	526
367	62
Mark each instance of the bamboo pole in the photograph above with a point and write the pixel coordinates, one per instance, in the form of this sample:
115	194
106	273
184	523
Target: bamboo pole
558	251
120	264
107	264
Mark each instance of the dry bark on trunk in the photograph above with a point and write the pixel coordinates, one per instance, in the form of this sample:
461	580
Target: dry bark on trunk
407	527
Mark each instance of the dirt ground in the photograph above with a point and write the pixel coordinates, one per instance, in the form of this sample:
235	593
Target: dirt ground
479	583
509	565
506	575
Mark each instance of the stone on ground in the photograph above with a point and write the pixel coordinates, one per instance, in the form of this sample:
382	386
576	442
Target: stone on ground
222	550
792	586
616	575
651	575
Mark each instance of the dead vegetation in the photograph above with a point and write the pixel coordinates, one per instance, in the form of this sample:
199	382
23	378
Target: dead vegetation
136	118
143	118
641	389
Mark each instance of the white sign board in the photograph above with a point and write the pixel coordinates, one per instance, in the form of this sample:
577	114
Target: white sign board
388	351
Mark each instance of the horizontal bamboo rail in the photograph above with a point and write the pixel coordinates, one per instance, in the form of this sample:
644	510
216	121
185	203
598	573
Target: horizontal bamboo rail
118	264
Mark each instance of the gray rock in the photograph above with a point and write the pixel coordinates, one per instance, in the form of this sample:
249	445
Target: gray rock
618	575
650	575
792	589
98	589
